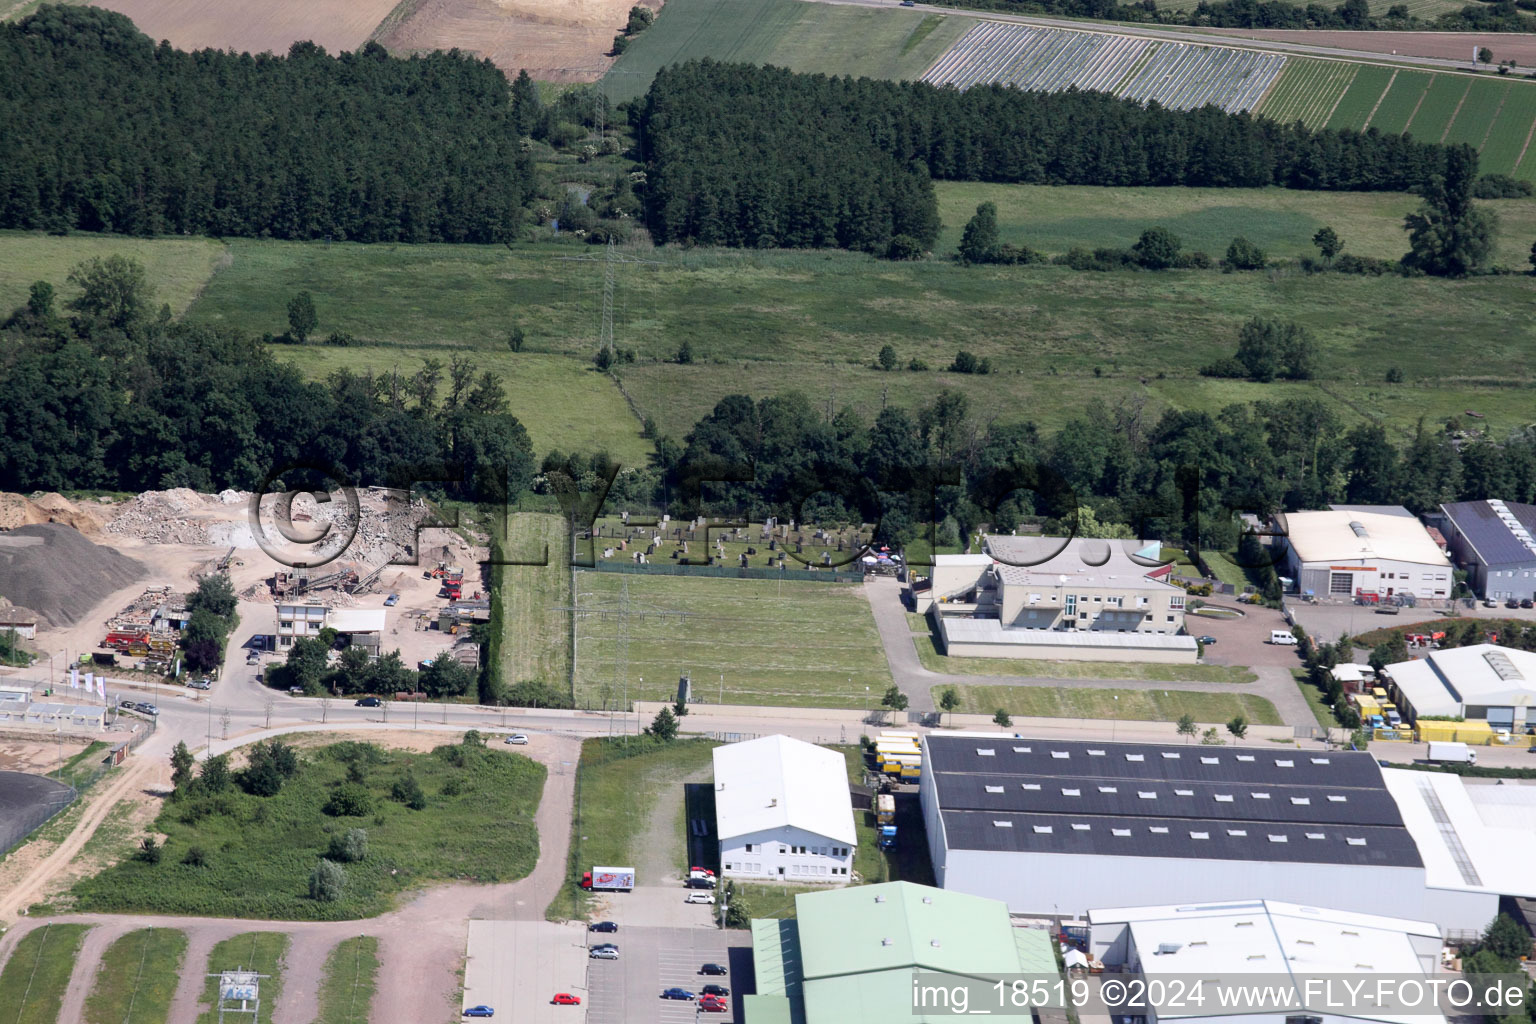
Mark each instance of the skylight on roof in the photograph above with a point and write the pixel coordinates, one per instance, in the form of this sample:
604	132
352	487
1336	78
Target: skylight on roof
1171	755
1336	798
1320	760
1135	757
1031	786
1183	792
1210	760
1021	750
1002	824
1199	835
1078	826
1120	831
1043	830
1061	754
1245	757
1285	764
986	752
1158	830
1109	789
1301	801
1223	798
1071	792
1147	794
1237	832
1317	835
1259	796
1279	839
994	789
1354	841
1095	753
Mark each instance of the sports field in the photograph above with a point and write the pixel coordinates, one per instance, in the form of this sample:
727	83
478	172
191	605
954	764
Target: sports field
740	641
1496	116
833	40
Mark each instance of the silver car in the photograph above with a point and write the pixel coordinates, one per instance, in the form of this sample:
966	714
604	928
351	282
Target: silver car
604	953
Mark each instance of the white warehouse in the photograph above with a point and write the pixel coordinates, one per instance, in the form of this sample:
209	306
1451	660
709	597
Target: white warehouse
783	811
1056	826
1346	554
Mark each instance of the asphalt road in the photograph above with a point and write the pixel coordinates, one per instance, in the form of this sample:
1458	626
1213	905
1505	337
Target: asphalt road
1178	35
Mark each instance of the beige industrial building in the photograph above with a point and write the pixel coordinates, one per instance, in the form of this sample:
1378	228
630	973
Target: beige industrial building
1341	555
1045	597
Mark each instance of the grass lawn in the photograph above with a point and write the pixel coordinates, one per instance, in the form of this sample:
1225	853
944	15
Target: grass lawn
771	901
33	982
262	952
351	974
618	785
178	267
536	643
137	978
932	659
259	851
786	33
1132	705
1317	700
1282	221
1225	566
741	641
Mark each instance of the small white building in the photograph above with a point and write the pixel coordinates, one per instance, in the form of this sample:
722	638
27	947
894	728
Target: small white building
1285	951
301	620
1347	554
783	811
24	628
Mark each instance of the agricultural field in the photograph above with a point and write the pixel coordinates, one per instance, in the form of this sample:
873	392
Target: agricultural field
255	27
137	978
1177	75
1494	115
1426	9
534	599
740	641
178	267
808	37
1114	705
37	973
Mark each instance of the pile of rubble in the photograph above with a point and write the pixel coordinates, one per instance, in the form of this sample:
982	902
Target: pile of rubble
162	517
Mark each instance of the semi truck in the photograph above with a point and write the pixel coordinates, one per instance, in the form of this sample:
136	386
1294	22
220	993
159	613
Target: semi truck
887	837
1445	752
603	879
885	808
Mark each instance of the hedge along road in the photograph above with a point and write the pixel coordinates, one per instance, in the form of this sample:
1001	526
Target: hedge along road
1274	46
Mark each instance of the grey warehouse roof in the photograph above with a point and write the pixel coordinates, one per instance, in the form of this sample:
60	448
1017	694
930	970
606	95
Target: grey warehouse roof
1493	529
1152	800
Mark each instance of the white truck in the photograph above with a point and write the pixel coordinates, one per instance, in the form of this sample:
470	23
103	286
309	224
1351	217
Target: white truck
606	879
1445	752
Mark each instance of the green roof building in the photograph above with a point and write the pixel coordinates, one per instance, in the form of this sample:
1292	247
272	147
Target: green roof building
850	955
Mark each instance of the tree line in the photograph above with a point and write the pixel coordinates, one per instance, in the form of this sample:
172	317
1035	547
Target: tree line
759	156
111	393
102	130
1496	16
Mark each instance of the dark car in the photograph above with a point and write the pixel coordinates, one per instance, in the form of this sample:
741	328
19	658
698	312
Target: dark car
713	969
1384	763
603	926
1525	602
1206	640
715	990
1511	603
676	993
700	883
368	702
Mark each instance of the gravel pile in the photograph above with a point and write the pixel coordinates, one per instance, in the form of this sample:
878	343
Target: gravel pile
58	573
163	517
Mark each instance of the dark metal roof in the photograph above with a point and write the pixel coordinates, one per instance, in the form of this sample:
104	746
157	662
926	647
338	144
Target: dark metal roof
1217	791
1487	533
1206	839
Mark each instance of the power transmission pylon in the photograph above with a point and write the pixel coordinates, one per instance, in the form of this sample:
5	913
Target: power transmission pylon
605	337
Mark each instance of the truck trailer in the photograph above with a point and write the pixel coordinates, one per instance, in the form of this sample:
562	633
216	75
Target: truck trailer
603	879
1445	752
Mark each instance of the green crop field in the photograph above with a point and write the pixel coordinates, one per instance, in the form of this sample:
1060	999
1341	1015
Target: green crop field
137	978
740	641
1360	99
1476	117
257	852
1418	8
1441	103
1113	705
261	952
1503	148
33	982
1307	91
1401	101
351	973
830	40
179	267
536	643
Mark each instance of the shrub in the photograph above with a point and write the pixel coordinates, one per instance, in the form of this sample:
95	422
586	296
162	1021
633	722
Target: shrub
887	359
1013	255
1349	263
1193	260
195	857
1394	375
1158	249
349	800
964	362
1244	255
327	882
1501	186
349	847
1224	367
408	791
904	247
150	851
917	365
341	338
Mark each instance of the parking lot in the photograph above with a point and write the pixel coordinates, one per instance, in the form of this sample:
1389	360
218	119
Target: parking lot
516	967
628	990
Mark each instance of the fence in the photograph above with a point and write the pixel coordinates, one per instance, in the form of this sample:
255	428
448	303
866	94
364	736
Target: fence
729	572
22	822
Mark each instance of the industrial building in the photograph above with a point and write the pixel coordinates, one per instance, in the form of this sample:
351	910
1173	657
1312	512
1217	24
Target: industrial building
364	625
1046	597
1286	944
25	628
783	811
1055	826
1481	683
1495	541
1342	555
53	717
849	955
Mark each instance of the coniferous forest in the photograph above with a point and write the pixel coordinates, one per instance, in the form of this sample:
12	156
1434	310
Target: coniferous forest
756	156
102	130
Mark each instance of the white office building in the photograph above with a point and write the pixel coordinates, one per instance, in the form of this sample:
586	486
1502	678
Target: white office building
783	812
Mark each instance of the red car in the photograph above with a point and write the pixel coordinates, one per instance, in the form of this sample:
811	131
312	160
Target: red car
566	999
702	871
713	1004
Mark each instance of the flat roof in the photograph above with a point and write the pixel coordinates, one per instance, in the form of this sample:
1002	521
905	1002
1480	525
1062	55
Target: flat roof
1444	682
1461	850
1500	532
1260	936
1354	536
1009	794
356	620
775	781
962	560
71	710
991	631
1048	562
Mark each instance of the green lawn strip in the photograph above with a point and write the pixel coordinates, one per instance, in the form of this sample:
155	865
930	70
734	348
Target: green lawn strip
764	900
537	642
617	782
799	644
1226	569
37	973
137	978
258	852
178	267
351	975
1101	704
259	952
932	659
1317	700
918	623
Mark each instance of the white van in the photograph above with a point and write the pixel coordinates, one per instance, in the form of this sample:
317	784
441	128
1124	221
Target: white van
1282	636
